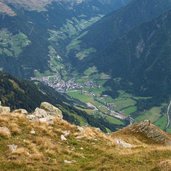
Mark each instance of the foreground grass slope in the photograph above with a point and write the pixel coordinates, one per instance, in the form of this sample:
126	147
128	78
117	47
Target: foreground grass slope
35	145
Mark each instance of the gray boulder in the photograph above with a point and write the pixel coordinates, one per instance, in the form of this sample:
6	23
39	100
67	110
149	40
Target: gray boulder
4	110
21	111
12	147
48	119
40	113
51	110
31	117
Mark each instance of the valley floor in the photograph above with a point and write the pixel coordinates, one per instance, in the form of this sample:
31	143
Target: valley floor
116	111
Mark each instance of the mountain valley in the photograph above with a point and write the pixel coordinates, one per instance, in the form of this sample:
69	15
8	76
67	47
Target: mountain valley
85	85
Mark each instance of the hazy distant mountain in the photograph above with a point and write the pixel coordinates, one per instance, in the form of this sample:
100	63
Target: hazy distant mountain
137	56
143	56
118	23
91	6
30	30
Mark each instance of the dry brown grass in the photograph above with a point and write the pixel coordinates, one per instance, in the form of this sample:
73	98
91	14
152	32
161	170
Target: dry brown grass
45	142
15	129
3	119
94	151
5	132
163	166
37	156
136	134
21	152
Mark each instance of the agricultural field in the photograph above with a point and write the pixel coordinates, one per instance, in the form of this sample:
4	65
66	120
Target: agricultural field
124	103
94	101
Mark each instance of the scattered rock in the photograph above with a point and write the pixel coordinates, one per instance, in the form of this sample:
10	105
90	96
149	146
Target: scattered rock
33	132
63	138
69	162
88	132
45	114
66	133
44	120
21	111
5	132
123	144
80	128
12	148
51	110
31	117
48	119
4	110
40	113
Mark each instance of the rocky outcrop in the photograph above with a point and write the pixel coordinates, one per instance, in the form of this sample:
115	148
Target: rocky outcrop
89	133
46	113
121	143
4	110
12	147
40	113
147	132
21	111
51	110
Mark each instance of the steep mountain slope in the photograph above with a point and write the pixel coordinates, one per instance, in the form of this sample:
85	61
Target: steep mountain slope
142	57
34	33
32	26
135	56
88	6
114	25
34	37
35	145
20	94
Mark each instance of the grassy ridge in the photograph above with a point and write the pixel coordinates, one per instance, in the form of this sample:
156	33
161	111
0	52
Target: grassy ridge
89	149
